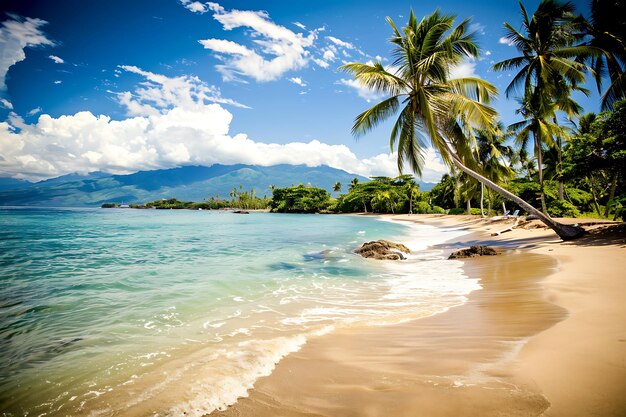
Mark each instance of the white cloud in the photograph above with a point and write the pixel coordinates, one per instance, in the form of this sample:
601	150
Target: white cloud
341	43
34	111
487	53
56	59
329	55
298	81
361	90
160	93
467	68
387	164
226	47
193	132
58	81
477	27
6	103
16	34
300	25
275	49
195	6
503	40
321	63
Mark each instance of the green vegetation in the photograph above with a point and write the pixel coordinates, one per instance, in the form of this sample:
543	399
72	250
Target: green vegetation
239	199
300	199
556	49
386	195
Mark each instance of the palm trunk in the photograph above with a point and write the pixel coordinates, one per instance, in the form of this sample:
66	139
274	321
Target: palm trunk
593	194
559	153
565	231
540	173
482	197
611	195
469	206
411	203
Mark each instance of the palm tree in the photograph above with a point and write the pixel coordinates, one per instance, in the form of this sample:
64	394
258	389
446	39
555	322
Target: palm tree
353	183
492	154
548	71
337	187
539	125
431	105
606	30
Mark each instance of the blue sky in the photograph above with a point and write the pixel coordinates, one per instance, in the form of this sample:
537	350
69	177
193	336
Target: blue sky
121	86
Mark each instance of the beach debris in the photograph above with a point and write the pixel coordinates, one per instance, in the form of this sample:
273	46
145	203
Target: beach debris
383	249
473	252
508	229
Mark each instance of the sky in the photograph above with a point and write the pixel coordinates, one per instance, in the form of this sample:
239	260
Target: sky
122	86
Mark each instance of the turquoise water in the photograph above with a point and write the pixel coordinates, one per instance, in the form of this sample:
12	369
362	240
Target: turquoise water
162	312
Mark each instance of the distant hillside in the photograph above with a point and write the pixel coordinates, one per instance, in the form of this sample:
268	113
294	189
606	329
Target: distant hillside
194	183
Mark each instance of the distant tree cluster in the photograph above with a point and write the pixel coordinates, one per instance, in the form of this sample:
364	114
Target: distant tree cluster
239	199
300	199
381	195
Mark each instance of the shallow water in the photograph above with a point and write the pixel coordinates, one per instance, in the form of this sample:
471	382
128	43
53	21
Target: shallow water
171	311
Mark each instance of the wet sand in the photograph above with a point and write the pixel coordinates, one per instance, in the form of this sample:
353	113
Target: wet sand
524	345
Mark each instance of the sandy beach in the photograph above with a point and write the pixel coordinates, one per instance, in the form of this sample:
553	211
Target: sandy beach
544	336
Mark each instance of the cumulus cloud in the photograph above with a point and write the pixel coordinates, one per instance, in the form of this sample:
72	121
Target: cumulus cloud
195	6
168	126
16	34
321	63
58	81
274	49
465	69
6	103
159	93
56	59
505	41
363	91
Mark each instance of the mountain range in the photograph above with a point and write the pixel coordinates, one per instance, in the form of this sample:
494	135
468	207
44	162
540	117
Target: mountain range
189	183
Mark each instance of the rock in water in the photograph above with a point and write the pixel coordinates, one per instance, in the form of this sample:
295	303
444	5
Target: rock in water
383	249
473	252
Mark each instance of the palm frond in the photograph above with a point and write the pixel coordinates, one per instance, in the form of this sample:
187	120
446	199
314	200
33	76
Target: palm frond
376	114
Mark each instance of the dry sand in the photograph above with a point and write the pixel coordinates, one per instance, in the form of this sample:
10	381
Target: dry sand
524	345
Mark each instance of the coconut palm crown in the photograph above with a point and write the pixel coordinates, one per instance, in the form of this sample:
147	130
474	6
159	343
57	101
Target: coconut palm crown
419	87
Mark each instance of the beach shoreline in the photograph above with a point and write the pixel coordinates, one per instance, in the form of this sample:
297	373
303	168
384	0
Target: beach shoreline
500	352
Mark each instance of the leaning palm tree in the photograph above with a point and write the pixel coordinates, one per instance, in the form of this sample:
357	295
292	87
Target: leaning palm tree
548	68
337	187
431	105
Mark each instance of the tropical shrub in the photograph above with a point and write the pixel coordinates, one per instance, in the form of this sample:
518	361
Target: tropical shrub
562	208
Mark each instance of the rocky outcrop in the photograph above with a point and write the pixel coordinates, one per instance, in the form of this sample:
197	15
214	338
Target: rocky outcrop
473	252
383	249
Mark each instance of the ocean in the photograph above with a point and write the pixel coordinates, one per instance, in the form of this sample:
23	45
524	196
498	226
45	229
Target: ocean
145	312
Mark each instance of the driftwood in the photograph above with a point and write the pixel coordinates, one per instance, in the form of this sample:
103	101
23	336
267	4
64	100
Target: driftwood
508	229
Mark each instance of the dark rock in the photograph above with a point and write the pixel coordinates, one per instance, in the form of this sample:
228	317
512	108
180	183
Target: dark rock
241	212
383	249
473	252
